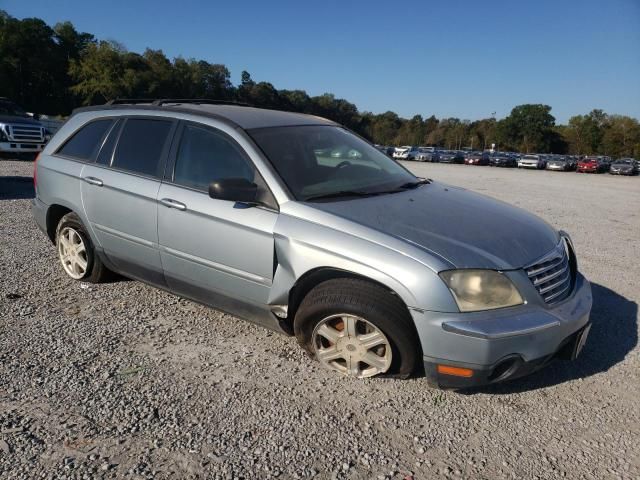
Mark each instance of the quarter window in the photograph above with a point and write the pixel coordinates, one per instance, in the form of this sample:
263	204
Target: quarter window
141	144
85	142
205	155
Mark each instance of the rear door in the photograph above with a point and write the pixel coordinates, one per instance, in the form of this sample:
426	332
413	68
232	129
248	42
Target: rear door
217	251
119	194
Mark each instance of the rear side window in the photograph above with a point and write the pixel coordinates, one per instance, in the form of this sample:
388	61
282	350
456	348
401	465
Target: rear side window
141	144
106	151
205	155
84	144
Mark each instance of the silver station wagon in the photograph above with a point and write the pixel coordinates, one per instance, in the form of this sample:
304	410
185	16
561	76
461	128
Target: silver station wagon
375	271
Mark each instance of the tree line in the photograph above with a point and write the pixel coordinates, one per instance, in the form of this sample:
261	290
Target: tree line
55	69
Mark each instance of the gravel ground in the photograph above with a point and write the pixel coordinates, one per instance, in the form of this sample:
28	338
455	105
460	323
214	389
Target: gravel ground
123	380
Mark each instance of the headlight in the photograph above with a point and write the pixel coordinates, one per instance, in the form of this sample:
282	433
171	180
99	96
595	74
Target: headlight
3	135
476	290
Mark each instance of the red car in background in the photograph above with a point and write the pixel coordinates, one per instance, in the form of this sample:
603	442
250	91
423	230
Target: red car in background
476	158
593	165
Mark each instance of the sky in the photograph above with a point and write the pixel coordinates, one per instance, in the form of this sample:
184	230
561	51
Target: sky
450	58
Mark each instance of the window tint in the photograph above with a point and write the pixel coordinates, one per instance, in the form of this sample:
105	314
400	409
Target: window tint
205	155
85	142
140	145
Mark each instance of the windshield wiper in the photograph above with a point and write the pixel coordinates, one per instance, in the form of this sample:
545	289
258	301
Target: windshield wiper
417	183
341	194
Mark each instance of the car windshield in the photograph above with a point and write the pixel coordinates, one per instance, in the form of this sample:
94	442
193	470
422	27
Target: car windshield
530	157
10	108
321	161
624	162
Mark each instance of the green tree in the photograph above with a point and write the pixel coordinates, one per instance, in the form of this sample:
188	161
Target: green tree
621	137
99	75
585	132
530	127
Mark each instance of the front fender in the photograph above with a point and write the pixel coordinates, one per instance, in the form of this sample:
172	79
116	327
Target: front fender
302	246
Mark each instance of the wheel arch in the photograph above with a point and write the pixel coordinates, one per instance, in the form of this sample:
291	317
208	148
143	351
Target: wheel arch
312	278
55	213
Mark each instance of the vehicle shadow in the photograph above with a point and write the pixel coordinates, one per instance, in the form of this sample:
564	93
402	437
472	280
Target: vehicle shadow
14	188
614	333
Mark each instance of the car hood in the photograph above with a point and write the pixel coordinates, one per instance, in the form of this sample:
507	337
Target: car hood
465	228
16	119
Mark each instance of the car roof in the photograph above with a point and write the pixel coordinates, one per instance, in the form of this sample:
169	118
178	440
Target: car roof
242	116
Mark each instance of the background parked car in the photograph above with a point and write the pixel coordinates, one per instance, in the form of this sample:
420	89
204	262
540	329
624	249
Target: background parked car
386	149
593	164
561	163
427	154
501	159
451	156
19	132
532	161
406	152
624	166
477	158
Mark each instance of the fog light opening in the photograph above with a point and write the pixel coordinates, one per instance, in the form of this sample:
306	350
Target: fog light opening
504	369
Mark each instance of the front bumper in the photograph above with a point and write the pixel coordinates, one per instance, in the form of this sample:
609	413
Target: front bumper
500	344
21	147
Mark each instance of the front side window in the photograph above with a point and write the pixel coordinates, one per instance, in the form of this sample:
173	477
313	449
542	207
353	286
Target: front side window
141	144
205	155
86	141
315	161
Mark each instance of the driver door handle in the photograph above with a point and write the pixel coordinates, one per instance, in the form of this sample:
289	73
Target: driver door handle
93	181
171	203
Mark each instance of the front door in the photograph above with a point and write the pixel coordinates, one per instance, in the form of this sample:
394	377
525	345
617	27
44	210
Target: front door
216	251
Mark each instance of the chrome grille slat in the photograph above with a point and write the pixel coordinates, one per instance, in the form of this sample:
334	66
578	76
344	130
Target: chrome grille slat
545	266
548	288
553	275
25	133
551	297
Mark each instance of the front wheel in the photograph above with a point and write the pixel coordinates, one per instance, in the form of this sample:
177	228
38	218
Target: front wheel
358	329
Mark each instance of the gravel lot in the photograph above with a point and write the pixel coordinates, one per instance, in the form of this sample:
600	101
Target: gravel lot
123	380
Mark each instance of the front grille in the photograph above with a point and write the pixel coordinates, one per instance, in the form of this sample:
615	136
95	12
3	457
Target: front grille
553	276
26	133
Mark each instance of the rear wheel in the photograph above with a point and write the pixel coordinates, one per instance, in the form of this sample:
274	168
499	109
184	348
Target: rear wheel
76	252
358	329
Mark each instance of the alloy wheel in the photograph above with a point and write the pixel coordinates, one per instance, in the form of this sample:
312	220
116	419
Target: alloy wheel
351	346
73	253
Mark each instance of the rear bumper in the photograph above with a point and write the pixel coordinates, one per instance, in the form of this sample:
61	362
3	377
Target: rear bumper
39	212
21	147
501	344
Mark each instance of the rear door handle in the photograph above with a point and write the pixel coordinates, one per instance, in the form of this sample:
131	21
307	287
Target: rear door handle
169	202
94	181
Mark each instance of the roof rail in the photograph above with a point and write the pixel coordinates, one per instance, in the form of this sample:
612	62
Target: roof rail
119	101
162	101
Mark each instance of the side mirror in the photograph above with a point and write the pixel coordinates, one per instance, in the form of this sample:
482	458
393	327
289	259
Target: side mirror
234	190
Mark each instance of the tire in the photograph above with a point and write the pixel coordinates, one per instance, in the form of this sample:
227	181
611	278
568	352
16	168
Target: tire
94	271
379	308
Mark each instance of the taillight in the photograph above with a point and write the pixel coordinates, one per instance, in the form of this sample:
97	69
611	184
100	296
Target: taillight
35	171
